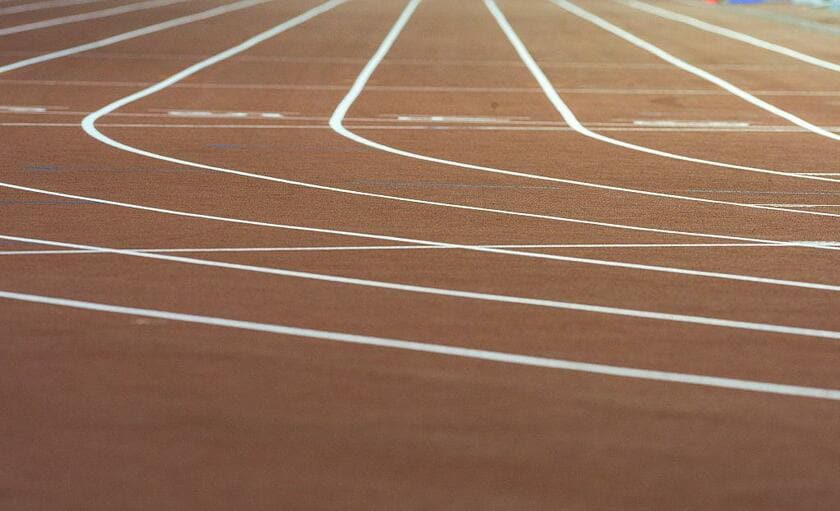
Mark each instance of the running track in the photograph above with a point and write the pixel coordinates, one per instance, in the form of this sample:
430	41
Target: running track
418	254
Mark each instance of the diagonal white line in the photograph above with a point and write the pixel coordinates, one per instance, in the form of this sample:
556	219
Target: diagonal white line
685	66
441	349
732	34
139	6
554	304
150	29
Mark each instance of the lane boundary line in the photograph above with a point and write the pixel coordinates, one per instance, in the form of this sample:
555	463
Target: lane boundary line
685	66
732	34
104	13
441	349
149	29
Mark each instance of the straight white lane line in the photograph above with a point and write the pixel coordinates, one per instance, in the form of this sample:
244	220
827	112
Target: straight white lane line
540	255
362	248
575	124
685	66
149	29
578	307
441	349
48	4
139	6
732	34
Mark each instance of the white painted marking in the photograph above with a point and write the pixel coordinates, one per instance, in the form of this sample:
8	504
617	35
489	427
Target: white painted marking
47	4
403	127
22	109
353	248
451	118
805	205
573	122
732	34
441	349
337	119
453	293
157	27
206	114
692	124
419	88
139	6
685	66
88	125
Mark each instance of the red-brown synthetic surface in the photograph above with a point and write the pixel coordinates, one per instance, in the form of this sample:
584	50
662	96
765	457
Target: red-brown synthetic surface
101	411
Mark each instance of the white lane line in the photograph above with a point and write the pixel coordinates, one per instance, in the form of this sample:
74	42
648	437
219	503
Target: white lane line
88	124
575	124
424	127
139	6
732	34
441	349
685	66
453	293
418	88
338	117
353	248
805	205
37	6
691	124
149	29
533	255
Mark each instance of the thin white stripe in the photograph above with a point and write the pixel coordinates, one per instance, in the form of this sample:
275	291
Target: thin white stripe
139	6
453	293
37	6
442	349
199	250
685	66
131	34
732	34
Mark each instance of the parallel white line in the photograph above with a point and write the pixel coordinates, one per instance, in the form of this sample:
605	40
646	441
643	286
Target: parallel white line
139	6
339	115
805	205
352	248
441	349
574	123
517	253
453	293
149	29
732	34
705	75
430	127
88	124
37	6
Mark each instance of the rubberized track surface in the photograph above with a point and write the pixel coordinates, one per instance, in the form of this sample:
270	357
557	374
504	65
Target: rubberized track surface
418	254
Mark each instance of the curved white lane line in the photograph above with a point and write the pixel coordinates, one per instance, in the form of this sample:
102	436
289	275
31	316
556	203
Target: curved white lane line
575	124
37	6
732	34
480	248
139	6
440	349
453	293
685	66
149	29
340	113
88	124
